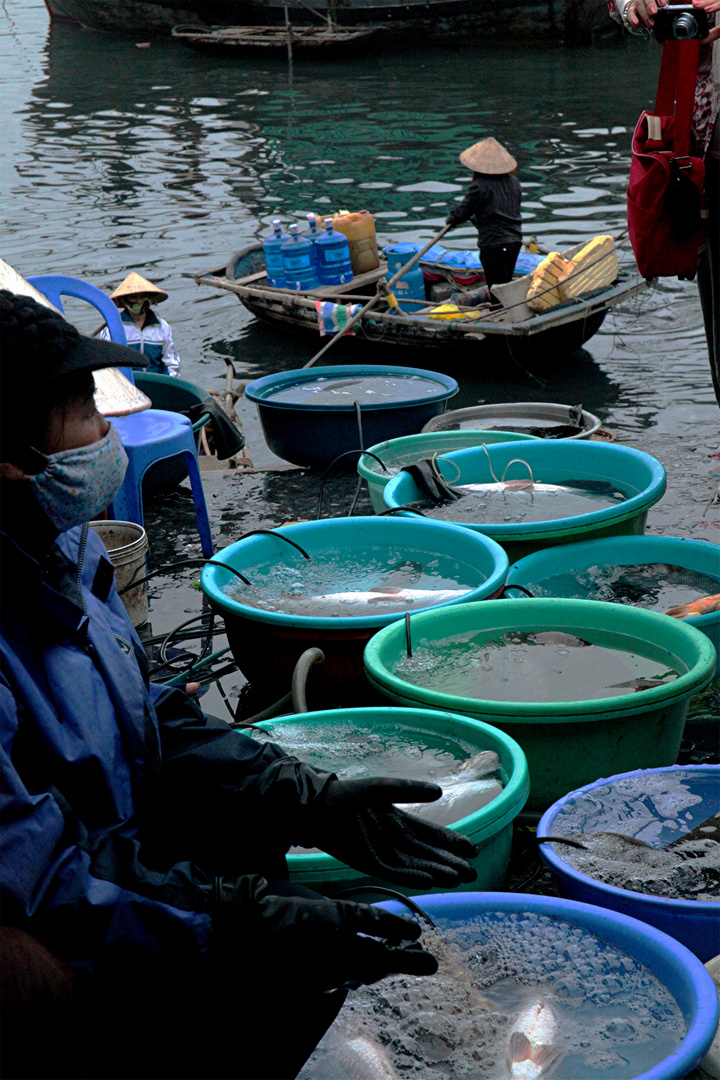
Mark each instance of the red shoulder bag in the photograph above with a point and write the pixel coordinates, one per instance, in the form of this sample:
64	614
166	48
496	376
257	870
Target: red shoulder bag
666	197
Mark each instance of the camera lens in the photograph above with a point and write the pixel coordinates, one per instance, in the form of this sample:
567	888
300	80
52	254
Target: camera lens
685	26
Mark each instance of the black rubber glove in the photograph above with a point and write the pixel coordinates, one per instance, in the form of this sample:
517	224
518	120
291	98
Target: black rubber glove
321	943
356	821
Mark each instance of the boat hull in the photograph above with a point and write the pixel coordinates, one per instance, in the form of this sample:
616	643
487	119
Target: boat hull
571	21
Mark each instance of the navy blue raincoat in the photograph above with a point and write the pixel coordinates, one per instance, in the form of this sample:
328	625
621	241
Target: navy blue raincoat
120	800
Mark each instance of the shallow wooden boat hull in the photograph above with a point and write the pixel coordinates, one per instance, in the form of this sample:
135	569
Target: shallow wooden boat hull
273	40
547	337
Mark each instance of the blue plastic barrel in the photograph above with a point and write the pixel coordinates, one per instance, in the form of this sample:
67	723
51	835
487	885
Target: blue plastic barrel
671	963
333	256
298	262
411	286
272	246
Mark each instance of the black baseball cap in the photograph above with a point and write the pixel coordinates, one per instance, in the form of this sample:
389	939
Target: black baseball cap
38	343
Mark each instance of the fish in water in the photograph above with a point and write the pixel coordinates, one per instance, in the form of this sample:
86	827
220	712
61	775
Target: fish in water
466	790
532	1050
456	801
557	637
704	605
362	1059
644	684
387	594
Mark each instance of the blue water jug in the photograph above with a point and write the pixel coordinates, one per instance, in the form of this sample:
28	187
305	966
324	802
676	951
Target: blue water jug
272	246
312	234
297	253
412	284
333	256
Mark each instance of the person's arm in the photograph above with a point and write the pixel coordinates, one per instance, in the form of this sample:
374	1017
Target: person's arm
473	203
170	358
79	893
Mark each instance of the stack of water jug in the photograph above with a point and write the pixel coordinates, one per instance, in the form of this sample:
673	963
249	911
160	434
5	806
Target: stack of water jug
329	256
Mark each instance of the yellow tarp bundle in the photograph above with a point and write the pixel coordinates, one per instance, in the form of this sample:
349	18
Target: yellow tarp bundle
452	311
557	279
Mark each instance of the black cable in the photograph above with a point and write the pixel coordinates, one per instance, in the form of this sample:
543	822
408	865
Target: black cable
398	509
271	532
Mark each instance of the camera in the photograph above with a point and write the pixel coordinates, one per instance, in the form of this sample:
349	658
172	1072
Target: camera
679	22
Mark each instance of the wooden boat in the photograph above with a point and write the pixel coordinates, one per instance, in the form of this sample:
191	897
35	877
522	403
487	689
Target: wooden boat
243	40
557	332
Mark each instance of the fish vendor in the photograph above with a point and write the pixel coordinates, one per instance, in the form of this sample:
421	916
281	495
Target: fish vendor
142	855
493	205
145	331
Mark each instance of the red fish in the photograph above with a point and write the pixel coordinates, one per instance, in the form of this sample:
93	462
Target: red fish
704	605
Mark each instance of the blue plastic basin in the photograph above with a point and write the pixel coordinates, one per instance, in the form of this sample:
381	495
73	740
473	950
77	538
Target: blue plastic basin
694	923
267	644
671	963
633	471
535	571
316	434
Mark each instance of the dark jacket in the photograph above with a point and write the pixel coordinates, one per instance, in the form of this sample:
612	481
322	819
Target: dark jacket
108	781
493	205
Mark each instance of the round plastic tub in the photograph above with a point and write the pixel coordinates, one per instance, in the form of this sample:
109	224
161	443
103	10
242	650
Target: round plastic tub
267	644
316	434
556	569
671	963
693	922
556	462
395	453
490	828
567	743
526	415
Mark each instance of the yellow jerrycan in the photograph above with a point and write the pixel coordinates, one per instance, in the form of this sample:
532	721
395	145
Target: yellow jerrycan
359	229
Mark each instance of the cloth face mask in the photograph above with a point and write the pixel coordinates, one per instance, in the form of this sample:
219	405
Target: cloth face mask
75	485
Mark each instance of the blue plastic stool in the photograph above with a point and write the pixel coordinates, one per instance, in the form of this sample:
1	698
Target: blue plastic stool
148	436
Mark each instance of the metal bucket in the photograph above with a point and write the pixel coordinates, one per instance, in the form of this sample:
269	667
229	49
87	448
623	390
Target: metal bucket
127	546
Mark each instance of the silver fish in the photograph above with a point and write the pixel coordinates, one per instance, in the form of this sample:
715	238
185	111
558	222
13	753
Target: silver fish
362	1059
387	594
532	1052
457	801
487	761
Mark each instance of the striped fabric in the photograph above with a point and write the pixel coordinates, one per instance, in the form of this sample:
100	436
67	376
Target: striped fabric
334	317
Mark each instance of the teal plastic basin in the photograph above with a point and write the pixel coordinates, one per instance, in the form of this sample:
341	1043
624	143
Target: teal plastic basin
490	828
395	453
568	743
633	471
562	564
267	644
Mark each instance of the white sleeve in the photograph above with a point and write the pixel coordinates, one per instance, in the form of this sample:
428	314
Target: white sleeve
104	334
170	358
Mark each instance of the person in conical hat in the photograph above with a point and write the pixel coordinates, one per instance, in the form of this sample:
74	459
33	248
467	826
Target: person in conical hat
493	205
146	331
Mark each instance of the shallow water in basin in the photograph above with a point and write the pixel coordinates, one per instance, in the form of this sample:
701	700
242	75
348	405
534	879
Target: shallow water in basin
367	389
498	503
606	1014
540	666
331	584
648	585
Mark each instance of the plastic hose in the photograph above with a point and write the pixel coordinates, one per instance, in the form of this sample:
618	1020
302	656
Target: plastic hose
309	659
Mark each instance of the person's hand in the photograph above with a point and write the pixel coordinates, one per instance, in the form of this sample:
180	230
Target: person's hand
709	7
642	11
450	220
321	943
358	823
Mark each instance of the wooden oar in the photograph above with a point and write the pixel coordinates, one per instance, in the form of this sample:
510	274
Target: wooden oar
378	295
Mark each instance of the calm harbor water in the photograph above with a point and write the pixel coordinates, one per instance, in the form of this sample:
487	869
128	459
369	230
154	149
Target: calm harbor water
160	159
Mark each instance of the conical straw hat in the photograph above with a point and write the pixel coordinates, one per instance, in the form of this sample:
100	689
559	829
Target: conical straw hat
134	284
488	156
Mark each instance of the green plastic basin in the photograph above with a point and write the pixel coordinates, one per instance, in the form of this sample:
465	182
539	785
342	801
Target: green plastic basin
567	743
557	462
490	828
394	453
